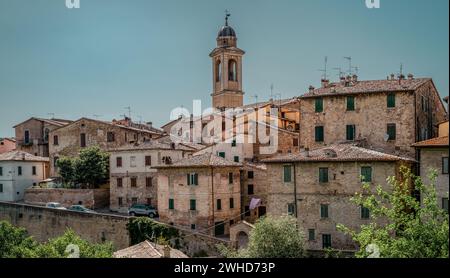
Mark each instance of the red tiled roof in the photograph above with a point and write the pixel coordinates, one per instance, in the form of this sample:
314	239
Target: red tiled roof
203	160
21	156
368	86
435	142
147	250
340	152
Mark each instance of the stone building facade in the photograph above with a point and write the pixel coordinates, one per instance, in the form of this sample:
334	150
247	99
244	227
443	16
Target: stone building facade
70	139
201	193
133	176
316	187
254	184
385	115
33	135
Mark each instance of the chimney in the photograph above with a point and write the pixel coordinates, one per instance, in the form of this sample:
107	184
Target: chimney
410	76
307	152
149	125
392	76
311	89
355	78
342	78
23	156
325	83
166	251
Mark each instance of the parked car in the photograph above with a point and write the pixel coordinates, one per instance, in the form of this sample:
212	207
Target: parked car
54	205
140	209
81	208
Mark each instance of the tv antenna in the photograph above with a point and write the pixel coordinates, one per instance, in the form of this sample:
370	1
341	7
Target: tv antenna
52	115
356	70
324	70
271	91
400	74
350	68
129	111
256	98
340	72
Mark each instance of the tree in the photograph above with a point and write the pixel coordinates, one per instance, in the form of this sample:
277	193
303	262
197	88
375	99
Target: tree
15	243
272	238
66	169
92	166
413	229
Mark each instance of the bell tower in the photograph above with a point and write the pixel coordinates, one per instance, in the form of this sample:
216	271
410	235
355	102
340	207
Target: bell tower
227	70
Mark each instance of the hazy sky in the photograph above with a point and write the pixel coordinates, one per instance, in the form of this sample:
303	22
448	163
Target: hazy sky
152	55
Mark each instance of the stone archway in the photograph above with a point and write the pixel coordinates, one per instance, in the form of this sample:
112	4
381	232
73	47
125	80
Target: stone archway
239	234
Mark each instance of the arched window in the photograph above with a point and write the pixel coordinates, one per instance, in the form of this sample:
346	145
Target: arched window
218	71
232	70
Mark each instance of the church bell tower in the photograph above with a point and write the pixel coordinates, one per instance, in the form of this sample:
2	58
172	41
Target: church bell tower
227	70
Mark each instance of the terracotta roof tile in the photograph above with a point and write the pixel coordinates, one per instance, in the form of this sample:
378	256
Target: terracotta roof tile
368	86
147	250
22	156
435	142
339	152
203	160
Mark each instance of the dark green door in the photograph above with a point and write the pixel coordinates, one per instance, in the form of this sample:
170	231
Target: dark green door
220	228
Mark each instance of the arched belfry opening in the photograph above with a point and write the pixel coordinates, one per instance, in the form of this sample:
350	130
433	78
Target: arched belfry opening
227	69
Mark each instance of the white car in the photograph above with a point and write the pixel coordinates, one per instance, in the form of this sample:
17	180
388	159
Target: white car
54	205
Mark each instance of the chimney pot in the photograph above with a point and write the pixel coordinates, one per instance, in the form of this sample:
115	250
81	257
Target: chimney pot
325	83
410	76
311	89
149	124
392	76
355	78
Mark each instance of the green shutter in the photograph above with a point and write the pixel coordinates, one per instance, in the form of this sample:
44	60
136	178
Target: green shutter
392	131
350	103
188	179
311	234
319	134
195	179
233	144
323	175
171	204
365	213
391	100
350	132
236	159
319	105
366	173
287	173
193	205
324	211
222	154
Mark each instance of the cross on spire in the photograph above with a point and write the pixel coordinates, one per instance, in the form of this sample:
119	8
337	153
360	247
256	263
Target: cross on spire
227	15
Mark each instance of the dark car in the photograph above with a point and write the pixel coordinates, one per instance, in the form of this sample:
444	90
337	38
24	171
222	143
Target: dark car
140	209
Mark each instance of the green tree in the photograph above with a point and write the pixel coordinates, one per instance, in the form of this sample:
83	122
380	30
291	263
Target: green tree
92	167
66	169
412	229
272	238
144	228
15	242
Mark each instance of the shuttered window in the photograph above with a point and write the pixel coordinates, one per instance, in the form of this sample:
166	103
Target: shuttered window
326	241
219	204
193	205
323	211
311	234
350	103
231	203
366	174
365	213
192	179
319	105
323	175
392	131
230	178
287	173
351	131
391	100
171	204
319	134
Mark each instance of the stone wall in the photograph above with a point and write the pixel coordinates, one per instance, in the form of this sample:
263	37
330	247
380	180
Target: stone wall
90	198
44	223
431	159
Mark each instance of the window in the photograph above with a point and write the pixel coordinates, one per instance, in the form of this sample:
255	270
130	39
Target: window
118	162
365	213
232	70
219	204
110	137
323	175
148	160
319	134
1	171
230	178
19	171
171	204
193	205
444	166
290	209
250	189
326	241
319	105
218	71
149	201
221	154
26	138
287	175
391	100
148	181
120	201
193	227
192	179
119	182
134	200
55	140
350	103
236	159
351	132
250	174
132	161
33	170
324	211
133	182
83	140
295	142
233	144
311	234
391	132
366	174
231	203
445	204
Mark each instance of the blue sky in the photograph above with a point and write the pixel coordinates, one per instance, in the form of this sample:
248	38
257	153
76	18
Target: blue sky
152	55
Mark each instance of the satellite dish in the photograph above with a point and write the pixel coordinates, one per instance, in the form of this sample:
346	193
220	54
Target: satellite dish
386	137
